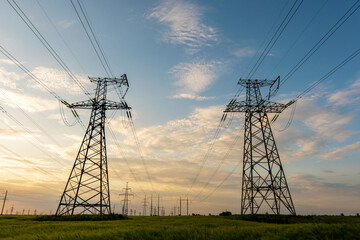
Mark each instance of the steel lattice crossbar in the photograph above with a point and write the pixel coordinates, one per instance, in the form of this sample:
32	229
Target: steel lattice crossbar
264	185
87	189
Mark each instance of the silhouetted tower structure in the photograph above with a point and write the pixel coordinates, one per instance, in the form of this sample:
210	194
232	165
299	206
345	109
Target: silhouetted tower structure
145	202
158	206
125	208
4	201
151	205
263	177
87	189
187	206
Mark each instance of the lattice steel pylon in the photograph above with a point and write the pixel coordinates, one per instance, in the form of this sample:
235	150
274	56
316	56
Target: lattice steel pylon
87	189
125	207
263	177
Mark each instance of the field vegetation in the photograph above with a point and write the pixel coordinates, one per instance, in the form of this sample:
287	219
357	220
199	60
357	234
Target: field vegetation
184	227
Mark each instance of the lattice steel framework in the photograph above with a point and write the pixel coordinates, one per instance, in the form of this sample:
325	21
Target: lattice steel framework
263	177
87	189
125	207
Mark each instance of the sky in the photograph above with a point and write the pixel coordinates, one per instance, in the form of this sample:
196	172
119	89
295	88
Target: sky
183	60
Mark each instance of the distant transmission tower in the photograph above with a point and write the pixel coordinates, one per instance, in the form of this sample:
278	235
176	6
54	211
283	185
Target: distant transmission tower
87	189
145	202
263	177
125	208
3	205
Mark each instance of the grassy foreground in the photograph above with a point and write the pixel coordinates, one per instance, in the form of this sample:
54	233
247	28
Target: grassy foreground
192	227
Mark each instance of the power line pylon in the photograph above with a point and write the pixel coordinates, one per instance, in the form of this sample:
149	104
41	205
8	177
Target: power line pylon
151	205
3	205
263	177
125	208
158	206
87	189
145	202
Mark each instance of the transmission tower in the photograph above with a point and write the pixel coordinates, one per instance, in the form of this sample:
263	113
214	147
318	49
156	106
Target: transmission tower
87	189
263	177
3	205
145	202
125	208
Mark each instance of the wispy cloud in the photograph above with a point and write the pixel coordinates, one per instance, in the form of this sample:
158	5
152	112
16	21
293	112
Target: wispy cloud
193	78
57	80
244	52
12	133
9	79
314	130
7	61
341	153
348	96
186	27
191	96
65	24
28	102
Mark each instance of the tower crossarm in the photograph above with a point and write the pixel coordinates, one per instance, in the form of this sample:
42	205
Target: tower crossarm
121	82
257	82
109	105
262	106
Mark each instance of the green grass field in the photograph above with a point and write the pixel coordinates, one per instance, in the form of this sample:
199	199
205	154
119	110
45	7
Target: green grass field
192	227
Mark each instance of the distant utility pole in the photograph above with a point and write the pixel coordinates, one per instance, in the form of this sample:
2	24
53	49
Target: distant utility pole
180	207
11	209
125	208
162	211
158	208
144	205
3	205
87	189
151	205
187	206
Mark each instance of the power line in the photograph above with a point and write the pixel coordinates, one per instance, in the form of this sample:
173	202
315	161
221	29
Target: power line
27	131
133	131
263	41
328	74
324	38
138	146
104	62
314	85
60	35
232	145
40	82
46	44
25	161
212	142
93	32
28	117
27	179
112	134
299	37
221	183
98	52
275	37
208	152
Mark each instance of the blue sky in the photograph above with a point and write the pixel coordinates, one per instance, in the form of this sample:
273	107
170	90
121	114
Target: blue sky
183	60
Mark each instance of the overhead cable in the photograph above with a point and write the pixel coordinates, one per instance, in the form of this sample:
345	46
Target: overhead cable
323	39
